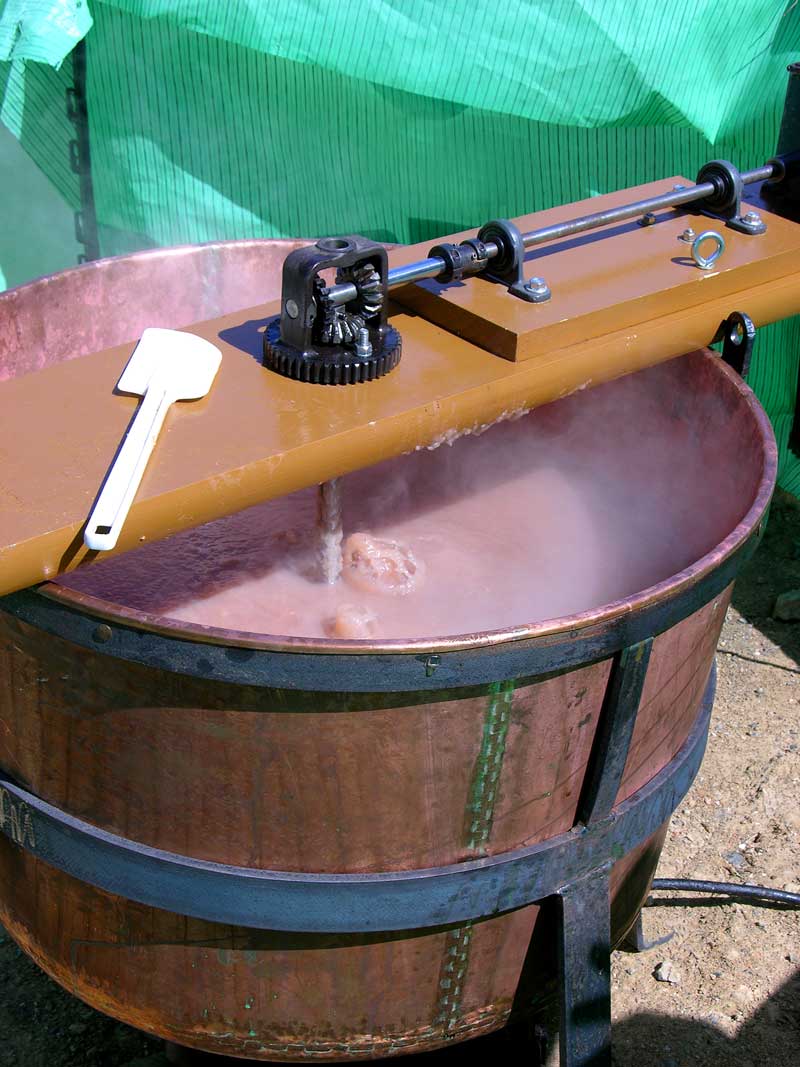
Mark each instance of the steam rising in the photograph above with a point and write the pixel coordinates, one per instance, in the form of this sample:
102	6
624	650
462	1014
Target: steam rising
577	504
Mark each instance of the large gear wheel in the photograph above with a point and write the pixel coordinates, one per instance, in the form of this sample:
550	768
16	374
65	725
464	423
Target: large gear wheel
333	364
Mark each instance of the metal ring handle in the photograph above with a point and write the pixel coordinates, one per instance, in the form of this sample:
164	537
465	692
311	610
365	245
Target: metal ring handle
707	262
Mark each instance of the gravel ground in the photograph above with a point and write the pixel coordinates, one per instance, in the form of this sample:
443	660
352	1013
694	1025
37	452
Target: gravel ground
734	991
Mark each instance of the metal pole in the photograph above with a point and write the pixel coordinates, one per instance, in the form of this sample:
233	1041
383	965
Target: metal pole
86	232
431	268
677	198
789	137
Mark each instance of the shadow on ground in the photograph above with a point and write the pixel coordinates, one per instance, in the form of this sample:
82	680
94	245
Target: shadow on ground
769	1038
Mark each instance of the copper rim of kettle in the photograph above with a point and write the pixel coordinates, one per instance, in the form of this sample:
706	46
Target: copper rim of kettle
566	624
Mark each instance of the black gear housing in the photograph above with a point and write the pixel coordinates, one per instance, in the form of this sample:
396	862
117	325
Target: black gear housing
314	340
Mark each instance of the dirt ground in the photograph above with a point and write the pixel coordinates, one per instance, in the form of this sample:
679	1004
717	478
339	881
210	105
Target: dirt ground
734	998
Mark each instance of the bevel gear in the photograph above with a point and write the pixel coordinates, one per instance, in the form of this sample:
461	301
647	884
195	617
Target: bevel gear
341	325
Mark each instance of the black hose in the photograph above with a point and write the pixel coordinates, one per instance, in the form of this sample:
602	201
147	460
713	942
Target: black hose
729	889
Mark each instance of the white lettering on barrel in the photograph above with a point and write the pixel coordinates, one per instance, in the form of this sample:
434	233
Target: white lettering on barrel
16	821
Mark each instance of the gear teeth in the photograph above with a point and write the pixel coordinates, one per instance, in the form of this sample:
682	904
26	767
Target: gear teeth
367	281
343	327
339	365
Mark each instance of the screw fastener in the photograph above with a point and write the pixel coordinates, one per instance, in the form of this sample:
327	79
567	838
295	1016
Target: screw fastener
687	235
431	663
750	223
363	344
539	289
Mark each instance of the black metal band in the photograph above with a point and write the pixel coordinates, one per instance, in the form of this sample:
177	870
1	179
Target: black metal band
86	230
614	732
349	903
378	672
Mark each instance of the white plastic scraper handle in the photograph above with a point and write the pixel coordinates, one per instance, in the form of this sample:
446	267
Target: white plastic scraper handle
167	365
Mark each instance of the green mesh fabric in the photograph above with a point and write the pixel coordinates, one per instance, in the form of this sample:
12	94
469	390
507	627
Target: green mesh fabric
42	30
400	119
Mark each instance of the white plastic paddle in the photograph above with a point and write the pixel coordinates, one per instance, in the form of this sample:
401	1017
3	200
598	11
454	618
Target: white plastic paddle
166	365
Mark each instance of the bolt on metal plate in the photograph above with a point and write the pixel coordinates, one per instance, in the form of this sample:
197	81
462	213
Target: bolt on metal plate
751	222
538	290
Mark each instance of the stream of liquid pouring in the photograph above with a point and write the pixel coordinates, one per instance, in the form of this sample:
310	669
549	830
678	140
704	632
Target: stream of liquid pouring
329	530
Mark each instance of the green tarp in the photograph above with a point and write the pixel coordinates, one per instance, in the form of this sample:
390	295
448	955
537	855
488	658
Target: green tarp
398	119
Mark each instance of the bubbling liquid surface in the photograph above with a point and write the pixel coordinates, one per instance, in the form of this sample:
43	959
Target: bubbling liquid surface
566	509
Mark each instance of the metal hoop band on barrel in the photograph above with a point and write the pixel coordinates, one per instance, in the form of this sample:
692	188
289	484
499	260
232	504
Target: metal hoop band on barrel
351	903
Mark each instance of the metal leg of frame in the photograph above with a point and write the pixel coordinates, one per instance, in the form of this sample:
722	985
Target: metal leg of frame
635	941
585	972
585	915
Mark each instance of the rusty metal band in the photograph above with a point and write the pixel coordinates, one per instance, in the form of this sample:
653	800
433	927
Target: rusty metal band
350	903
379	671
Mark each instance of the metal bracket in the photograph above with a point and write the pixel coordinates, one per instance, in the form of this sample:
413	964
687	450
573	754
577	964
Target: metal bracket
737	332
726	202
750	222
508	266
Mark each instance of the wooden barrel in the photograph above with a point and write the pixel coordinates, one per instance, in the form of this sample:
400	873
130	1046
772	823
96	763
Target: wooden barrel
302	756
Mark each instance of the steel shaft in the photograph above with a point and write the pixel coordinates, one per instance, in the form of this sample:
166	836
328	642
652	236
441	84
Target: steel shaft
434	266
